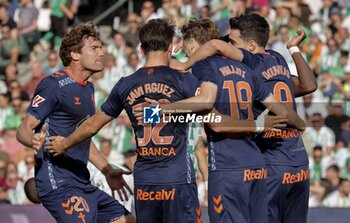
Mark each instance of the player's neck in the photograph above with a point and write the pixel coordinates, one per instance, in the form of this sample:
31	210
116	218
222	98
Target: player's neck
82	75
157	58
260	50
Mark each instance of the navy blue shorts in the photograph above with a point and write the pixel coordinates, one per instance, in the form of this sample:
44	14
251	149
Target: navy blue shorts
288	193
76	205
238	196
167	203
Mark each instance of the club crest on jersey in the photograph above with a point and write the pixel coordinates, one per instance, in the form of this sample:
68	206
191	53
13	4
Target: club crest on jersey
150	71
37	100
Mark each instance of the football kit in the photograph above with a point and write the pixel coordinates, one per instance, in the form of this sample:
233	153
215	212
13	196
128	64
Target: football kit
61	102
165	188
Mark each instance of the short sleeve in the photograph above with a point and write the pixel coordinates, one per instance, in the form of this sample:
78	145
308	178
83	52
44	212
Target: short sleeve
261	92
203	71
250	59
190	85
113	106
45	99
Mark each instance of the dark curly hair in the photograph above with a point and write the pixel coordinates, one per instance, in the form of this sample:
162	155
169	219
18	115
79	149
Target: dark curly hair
202	30
74	40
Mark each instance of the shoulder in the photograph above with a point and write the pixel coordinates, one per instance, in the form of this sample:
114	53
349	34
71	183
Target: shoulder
58	80
90	85
185	75
277	56
203	63
248	53
180	74
274	53
49	81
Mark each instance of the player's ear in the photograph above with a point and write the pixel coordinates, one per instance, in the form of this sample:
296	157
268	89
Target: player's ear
75	56
251	46
170	48
191	44
142	50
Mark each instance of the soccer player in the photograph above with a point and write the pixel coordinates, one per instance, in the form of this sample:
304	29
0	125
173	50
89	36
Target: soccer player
61	102
284	152
234	160
165	189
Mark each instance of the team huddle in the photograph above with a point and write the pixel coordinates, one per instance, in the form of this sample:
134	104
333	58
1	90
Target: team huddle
258	166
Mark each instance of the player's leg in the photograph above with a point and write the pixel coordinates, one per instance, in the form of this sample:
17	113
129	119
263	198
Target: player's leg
184	207
148	203
276	192
70	205
298	198
258	202
125	219
228	197
109	209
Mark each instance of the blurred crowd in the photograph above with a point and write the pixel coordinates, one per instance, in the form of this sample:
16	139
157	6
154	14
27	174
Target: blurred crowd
32	27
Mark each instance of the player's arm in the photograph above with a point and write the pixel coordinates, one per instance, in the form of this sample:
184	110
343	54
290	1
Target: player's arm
203	102
96	158
208	49
110	109
202	157
262	94
201	152
306	81
262	123
229	124
57	145
203	76
26	136
277	108
44	101
113	176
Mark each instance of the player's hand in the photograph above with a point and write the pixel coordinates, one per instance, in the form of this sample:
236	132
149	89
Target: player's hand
39	139
138	112
116	181
272	122
177	65
138	109
296	40
55	145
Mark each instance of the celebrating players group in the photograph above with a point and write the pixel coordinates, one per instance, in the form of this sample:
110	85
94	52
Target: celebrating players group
258	166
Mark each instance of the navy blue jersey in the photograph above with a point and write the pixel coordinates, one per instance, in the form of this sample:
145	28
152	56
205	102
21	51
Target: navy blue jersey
285	147
237	89
62	103
162	148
